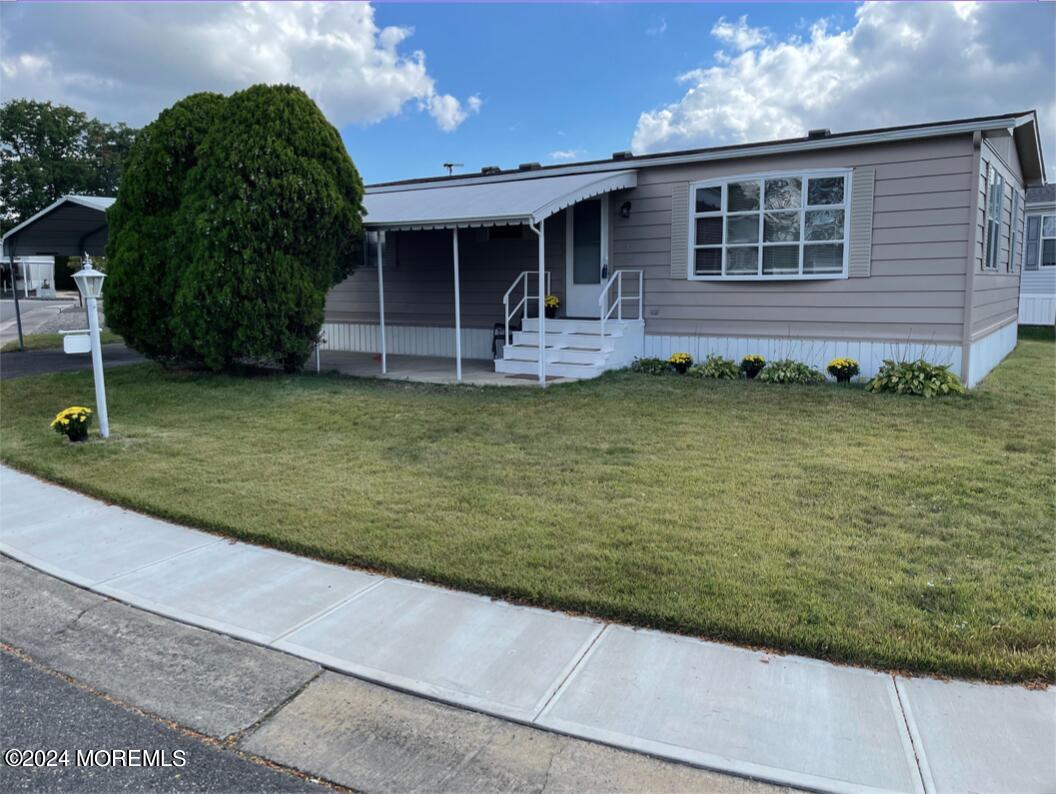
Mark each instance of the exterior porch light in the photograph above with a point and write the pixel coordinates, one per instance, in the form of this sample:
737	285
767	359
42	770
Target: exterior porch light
90	284
625	209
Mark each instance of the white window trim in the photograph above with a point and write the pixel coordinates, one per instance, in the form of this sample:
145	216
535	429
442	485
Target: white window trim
1013	231
1042	237
992	249
846	173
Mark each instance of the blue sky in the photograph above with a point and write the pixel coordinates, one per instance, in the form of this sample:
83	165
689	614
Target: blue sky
553	78
411	86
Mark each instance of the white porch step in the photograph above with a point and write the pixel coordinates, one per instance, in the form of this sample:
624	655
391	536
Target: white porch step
559	369
573	326
571	355
562	339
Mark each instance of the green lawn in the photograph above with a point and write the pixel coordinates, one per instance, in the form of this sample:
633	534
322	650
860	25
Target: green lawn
44	341
874	529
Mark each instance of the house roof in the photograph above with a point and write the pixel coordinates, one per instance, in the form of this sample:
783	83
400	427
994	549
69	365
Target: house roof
493	203
1023	125
1042	194
67	227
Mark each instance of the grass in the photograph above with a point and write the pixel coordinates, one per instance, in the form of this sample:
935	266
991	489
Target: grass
871	529
46	341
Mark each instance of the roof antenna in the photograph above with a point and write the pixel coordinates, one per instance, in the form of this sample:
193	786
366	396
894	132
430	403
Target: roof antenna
452	166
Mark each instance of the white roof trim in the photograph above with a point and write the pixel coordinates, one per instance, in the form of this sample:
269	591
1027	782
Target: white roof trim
494	203
931	131
100	203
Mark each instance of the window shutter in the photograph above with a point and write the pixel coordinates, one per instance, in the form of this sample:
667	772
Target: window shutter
680	231
861	252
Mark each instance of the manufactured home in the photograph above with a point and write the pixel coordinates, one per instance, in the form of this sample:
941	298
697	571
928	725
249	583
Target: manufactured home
1037	289
883	243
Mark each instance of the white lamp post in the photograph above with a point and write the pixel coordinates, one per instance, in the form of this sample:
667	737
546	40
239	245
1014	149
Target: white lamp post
90	283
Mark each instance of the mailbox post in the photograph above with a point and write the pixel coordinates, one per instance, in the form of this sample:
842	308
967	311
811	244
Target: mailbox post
90	283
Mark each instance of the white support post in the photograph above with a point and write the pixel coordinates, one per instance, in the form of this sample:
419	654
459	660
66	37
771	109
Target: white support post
542	303
97	369
458	310
381	306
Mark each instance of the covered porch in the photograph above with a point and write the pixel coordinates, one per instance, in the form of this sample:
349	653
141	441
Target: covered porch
460	265
423	369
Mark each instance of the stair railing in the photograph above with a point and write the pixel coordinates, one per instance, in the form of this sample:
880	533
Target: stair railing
527	294
607	307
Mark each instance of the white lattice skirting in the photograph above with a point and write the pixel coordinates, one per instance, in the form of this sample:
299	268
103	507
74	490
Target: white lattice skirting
412	340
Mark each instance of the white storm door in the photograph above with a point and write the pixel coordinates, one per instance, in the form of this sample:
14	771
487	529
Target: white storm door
586	256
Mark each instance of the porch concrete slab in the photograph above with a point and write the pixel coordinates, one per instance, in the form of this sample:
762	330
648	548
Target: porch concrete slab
371	738
978	737
785	719
423	369
90	547
465	649
246	591
206	681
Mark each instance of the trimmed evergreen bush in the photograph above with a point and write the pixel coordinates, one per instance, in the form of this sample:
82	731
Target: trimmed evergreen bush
788	371
245	216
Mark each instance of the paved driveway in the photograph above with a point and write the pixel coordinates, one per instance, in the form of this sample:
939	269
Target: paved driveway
38	362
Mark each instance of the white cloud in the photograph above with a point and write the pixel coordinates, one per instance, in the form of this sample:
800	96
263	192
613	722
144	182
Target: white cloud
898	63
127	62
564	154
658	28
739	33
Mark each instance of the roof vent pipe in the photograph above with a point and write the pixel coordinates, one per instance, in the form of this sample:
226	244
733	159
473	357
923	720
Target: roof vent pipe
625	155
529	167
821	132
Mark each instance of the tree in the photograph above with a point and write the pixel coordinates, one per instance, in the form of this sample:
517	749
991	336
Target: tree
48	151
246	211
145	254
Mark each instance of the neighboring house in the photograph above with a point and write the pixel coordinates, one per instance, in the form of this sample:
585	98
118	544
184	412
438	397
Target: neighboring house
905	241
1037	289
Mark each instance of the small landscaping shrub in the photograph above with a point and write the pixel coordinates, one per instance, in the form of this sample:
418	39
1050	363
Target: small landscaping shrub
788	371
752	365
916	377
716	367
73	422
681	362
650	366
843	369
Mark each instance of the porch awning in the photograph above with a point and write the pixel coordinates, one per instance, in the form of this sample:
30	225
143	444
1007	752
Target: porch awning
68	227
486	203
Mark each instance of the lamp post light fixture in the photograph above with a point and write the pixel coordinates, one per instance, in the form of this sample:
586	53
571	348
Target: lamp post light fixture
90	283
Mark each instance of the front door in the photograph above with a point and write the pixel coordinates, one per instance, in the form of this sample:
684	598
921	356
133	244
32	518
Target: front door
587	256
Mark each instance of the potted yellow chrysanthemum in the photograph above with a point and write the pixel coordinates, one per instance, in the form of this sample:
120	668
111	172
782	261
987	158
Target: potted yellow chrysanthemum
843	369
73	423
550	305
681	362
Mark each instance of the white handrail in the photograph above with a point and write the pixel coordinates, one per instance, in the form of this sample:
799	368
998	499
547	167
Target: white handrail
527	296
605	308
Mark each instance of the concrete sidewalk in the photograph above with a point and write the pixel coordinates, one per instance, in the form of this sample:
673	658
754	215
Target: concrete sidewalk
784	719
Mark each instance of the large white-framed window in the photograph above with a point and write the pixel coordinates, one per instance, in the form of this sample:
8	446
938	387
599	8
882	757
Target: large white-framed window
790	225
1041	241
994	207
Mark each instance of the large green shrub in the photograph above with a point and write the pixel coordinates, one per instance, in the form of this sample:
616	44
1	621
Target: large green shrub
146	257
716	367
788	371
916	377
256	214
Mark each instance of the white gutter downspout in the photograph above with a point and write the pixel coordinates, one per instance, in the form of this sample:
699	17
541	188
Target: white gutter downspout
541	231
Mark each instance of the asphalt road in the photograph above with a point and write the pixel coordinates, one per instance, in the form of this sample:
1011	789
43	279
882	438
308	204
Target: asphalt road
41	711
37	362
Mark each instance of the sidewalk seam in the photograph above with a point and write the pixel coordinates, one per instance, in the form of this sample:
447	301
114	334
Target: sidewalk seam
576	664
137	569
322	613
923	770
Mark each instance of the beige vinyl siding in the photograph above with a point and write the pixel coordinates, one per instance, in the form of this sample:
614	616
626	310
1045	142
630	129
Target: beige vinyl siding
915	290
419	290
995	294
